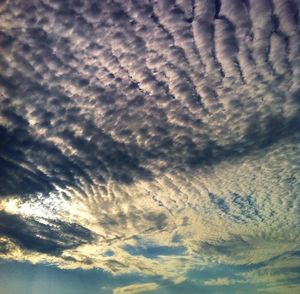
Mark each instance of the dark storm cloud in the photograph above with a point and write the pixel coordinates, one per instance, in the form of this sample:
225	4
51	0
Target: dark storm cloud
50	238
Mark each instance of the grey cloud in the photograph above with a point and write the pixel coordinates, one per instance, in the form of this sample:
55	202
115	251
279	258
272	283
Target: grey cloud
236	246
50	238
140	220
4	247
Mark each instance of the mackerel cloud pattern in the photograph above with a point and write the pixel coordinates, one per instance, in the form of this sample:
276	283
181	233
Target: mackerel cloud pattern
152	137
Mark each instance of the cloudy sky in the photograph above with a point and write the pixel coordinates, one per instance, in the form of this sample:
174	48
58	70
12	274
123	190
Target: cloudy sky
149	146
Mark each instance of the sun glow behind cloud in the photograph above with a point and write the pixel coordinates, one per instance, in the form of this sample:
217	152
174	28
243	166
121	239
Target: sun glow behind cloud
49	207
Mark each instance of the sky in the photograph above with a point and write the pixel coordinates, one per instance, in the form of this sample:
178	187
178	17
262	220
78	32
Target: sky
149	146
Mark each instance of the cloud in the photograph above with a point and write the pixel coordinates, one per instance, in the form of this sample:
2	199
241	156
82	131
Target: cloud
51	238
220	282
282	289
4	247
125	74
136	288
153	251
165	133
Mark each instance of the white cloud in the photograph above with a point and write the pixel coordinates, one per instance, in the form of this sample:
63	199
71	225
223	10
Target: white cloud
220	282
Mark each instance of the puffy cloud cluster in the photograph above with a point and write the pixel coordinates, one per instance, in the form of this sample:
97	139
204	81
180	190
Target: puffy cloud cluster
150	125
93	91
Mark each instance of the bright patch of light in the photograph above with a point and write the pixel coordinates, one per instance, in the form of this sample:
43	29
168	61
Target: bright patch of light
40	206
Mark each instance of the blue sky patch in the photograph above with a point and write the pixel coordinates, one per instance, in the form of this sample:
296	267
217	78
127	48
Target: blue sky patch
154	251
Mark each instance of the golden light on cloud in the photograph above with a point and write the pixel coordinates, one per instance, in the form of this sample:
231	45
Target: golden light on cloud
137	288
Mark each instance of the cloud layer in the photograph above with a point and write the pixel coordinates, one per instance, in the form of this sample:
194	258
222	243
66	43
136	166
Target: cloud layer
150	136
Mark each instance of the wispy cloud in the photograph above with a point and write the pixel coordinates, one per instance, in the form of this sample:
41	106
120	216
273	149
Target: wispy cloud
221	282
136	288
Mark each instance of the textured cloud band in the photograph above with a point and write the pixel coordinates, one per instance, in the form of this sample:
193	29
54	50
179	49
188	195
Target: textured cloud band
125	90
141	131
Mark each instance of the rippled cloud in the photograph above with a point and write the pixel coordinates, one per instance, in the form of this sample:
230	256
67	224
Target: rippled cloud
151	137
